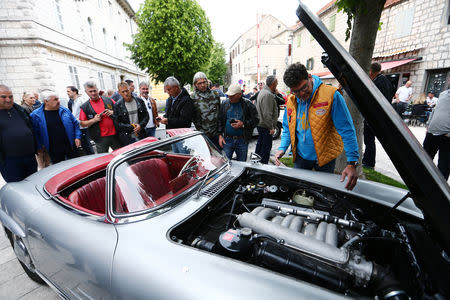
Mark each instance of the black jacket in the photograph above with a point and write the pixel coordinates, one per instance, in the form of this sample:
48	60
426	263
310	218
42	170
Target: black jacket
179	114
22	112
122	120
385	86
250	117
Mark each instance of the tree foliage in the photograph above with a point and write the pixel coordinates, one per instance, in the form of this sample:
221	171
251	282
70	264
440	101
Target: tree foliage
173	39
217	66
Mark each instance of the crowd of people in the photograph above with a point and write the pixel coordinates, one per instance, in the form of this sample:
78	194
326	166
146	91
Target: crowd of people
317	125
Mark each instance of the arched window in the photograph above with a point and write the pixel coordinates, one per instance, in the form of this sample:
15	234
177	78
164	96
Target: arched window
91	32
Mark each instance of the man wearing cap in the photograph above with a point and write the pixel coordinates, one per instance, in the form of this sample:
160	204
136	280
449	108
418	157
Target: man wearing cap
237	119
317	125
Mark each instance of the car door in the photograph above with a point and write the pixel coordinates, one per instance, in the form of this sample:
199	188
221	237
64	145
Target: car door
73	251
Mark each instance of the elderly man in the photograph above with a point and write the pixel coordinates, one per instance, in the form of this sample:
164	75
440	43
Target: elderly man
17	143
131	116
267	108
402	98
438	133
317	125
179	106
206	108
96	114
150	104
56	129
237	119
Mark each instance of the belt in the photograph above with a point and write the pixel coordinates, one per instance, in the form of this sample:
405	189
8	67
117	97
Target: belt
234	137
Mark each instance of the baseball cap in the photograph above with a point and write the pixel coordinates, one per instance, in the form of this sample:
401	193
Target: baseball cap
233	90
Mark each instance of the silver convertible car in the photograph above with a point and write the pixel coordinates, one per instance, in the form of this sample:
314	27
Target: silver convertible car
175	219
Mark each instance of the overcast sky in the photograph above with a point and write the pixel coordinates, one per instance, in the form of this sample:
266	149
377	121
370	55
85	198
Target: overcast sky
231	18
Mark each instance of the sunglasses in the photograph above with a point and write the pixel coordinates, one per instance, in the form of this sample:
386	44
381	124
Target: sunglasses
302	89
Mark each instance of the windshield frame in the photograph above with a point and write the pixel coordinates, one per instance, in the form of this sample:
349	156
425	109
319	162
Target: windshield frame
111	169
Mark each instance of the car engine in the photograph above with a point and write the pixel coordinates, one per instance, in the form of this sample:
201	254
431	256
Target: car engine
317	235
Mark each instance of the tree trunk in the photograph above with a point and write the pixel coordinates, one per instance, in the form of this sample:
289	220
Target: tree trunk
362	43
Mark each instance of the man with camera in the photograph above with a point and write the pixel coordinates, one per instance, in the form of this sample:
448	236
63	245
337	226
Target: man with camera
237	119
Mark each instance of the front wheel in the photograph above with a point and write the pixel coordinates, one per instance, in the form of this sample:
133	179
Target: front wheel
14	240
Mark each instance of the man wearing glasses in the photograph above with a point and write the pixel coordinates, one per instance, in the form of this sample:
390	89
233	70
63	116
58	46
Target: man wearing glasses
317	125
152	110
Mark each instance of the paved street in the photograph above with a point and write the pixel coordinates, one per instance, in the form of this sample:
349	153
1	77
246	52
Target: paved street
14	283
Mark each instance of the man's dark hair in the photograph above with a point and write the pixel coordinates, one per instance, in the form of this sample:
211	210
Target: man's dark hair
294	74
217	85
129	81
73	89
375	67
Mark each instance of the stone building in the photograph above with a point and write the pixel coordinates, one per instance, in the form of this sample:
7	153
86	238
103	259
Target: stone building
413	43
50	44
274	39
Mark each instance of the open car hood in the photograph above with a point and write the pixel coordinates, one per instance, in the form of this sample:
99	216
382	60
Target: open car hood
427	187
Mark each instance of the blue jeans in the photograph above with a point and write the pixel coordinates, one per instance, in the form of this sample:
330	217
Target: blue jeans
301	163
240	146
18	168
150	131
264	144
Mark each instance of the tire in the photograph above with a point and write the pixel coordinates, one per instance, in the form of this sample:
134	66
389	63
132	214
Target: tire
277	133
31	274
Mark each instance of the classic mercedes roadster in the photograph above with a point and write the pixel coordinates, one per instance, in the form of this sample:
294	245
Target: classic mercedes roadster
175	219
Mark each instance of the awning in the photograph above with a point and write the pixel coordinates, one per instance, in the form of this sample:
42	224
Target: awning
392	64
324	75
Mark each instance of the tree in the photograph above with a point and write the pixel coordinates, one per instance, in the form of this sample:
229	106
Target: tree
217	66
173	39
366	16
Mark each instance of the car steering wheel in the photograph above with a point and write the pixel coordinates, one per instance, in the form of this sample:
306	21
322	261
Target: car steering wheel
187	165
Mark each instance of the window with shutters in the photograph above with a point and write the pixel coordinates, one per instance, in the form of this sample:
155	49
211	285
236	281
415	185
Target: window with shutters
74	76
403	23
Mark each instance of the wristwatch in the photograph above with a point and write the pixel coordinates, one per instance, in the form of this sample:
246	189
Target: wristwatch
353	163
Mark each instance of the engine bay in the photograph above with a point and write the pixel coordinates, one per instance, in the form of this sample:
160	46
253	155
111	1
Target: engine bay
322	236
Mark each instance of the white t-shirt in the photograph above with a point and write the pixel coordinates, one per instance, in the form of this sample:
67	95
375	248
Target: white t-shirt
432	101
76	108
148	105
404	93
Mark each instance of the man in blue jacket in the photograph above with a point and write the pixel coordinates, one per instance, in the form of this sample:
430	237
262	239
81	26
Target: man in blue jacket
56	129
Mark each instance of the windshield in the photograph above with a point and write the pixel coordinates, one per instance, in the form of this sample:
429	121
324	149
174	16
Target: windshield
153	178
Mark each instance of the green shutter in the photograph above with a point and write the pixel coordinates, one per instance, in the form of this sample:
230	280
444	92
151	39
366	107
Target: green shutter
332	24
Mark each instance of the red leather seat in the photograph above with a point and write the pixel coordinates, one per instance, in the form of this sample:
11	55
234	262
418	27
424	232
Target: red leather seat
154	177
90	196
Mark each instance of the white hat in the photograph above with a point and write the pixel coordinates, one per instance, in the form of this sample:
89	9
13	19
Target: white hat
233	90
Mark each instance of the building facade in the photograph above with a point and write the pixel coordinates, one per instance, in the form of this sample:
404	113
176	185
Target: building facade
274	39
413	43
50	44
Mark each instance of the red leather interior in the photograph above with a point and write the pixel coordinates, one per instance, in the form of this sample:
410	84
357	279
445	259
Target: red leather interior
90	196
154	177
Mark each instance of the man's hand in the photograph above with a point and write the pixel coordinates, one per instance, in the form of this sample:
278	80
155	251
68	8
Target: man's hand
349	171
77	143
278	155
164	121
238	124
97	118
271	131
221	141
136	129
108	112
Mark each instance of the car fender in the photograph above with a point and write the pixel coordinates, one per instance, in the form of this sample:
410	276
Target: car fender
11	225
